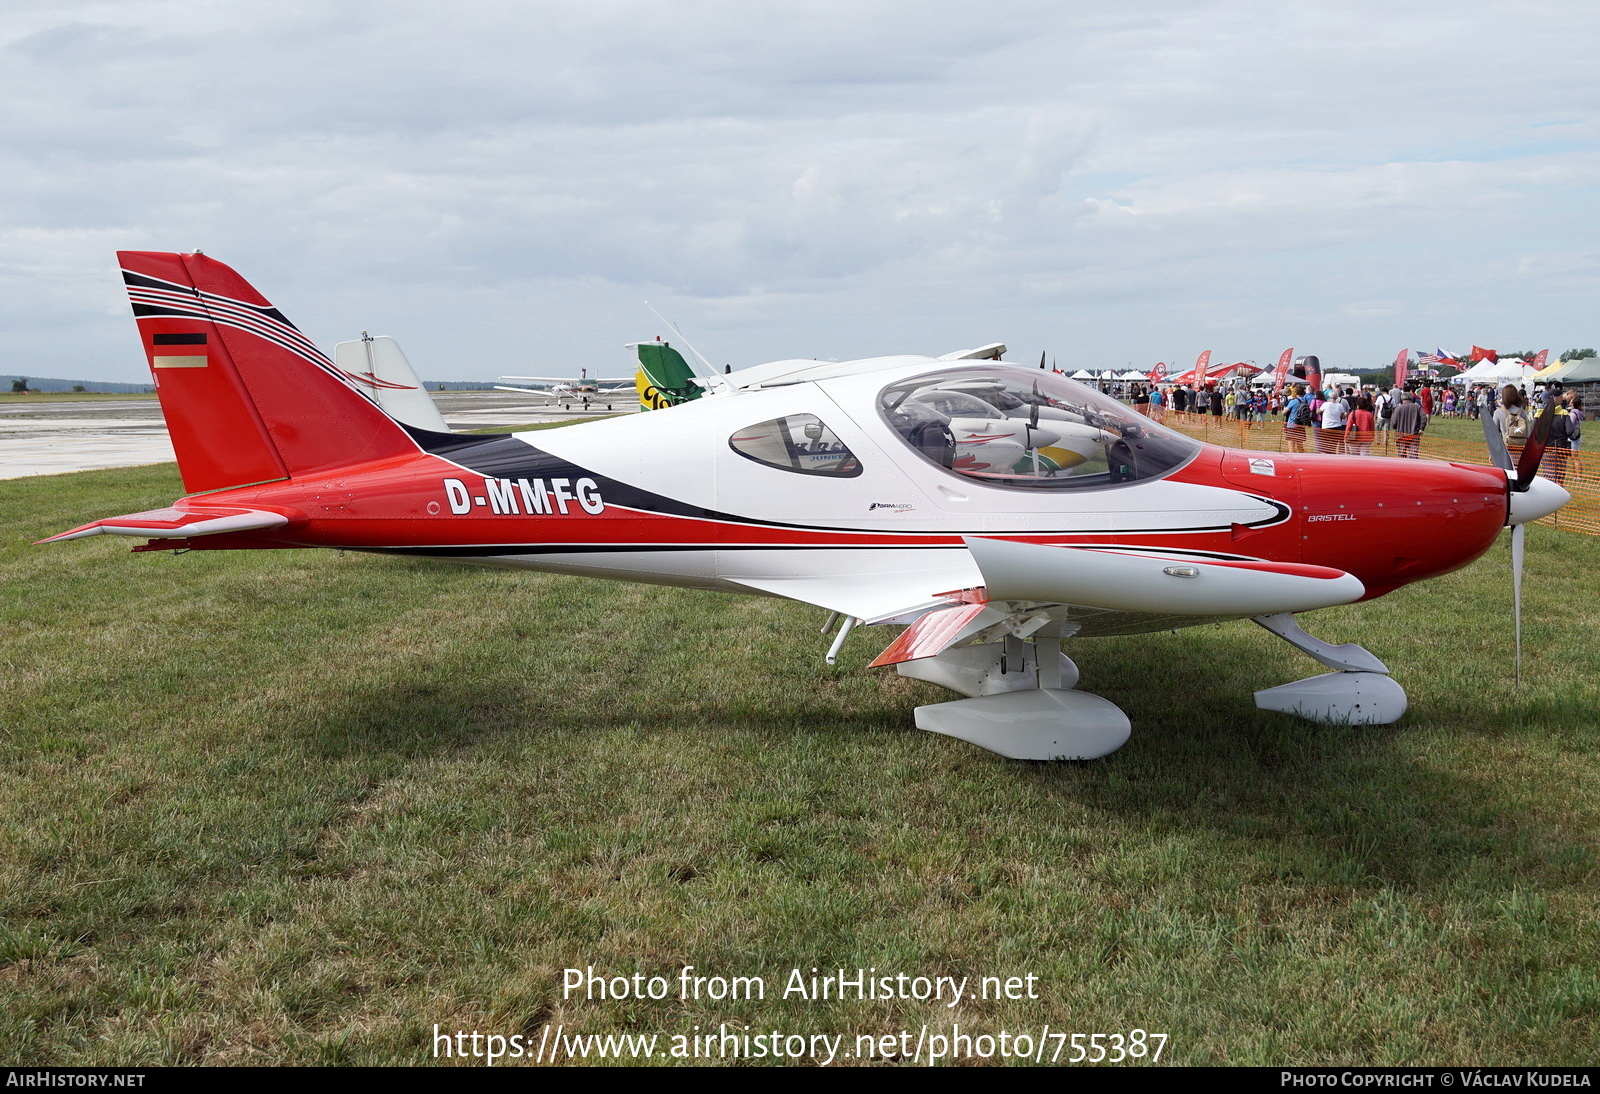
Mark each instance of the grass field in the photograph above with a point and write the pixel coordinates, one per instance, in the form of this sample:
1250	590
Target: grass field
8	397
300	807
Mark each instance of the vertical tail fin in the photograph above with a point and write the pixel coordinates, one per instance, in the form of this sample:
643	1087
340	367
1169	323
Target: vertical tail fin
379	365
246	396
664	378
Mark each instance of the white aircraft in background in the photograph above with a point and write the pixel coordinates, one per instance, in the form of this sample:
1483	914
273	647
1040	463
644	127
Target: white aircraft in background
584	392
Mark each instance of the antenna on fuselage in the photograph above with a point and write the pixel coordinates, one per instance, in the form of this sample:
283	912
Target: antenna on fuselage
709	370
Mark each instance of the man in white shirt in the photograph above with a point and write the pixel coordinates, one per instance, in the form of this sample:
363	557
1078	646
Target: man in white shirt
1330	438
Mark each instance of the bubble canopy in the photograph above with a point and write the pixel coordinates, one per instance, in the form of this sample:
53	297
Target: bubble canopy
1015	427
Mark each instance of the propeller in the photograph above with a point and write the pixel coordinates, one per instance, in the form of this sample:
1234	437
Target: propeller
1522	477
1533	451
1518	553
1033	413
1498	455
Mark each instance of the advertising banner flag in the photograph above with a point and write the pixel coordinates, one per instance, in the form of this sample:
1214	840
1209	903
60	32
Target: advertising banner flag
1400	369
1159	373
1197	374
1539	358
1283	370
1313	370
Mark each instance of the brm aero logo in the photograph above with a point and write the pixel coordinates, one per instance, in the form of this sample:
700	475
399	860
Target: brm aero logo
532	497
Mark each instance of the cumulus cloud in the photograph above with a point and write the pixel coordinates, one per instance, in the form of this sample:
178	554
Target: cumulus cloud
500	184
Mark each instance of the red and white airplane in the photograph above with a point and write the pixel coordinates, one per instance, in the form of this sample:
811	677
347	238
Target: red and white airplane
992	510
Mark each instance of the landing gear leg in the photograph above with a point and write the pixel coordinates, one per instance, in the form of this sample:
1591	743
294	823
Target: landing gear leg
1361	692
1022	703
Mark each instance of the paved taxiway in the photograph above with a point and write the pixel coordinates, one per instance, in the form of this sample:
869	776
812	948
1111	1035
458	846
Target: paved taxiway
53	436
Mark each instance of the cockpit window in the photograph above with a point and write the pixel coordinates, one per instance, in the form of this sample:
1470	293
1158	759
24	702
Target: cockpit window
800	443
1016	427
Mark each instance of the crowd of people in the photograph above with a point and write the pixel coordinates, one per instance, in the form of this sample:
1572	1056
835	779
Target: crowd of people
1347	420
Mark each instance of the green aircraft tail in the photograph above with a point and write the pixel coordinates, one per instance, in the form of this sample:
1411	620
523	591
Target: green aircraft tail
665	378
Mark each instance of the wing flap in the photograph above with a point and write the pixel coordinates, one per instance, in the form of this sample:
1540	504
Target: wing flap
934	632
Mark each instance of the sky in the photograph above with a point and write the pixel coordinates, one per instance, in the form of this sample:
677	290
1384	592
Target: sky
502	185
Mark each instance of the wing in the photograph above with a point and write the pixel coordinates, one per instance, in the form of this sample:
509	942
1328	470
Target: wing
1001	586
864	587
1154	584
570	379
529	392
1095	593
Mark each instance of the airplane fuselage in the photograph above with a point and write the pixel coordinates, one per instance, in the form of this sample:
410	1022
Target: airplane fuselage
668	497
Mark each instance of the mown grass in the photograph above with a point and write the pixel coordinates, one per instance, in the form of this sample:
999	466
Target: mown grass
298	807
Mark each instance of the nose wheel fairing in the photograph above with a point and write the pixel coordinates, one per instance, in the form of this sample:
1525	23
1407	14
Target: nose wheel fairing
1339	698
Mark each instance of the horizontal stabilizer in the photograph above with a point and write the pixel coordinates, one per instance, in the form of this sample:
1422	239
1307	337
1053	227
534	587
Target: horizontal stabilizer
1155	585
177	524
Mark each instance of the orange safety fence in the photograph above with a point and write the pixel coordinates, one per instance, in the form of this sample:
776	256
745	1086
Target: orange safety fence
1578	471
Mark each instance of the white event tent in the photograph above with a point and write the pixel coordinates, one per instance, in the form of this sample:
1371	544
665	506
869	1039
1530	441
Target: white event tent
1512	370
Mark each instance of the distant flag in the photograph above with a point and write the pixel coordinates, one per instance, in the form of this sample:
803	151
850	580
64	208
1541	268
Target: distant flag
1481	354
1283	370
1539	358
1400	369
1159	373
